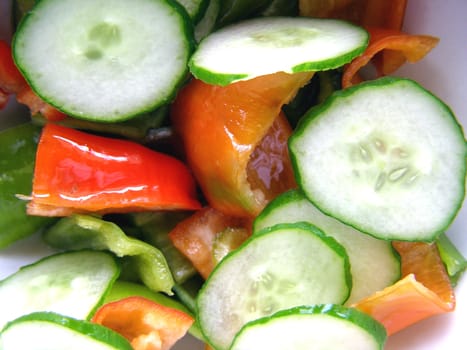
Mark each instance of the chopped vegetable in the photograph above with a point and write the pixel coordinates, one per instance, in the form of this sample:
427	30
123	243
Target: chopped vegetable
73	284
226	124
195	236
424	291
80	172
83	231
53	331
145	323
17	151
388	50
321	327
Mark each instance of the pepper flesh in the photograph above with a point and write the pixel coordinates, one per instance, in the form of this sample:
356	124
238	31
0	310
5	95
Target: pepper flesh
220	127
145	323
77	172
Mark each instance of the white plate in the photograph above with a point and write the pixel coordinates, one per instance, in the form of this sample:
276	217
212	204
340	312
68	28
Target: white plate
444	72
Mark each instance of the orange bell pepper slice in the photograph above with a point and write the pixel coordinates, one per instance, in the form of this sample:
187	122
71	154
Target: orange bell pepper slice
194	237
388	50
424	291
220	127
380	13
146	324
77	172
12	82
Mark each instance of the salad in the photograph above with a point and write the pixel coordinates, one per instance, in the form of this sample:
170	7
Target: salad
174	246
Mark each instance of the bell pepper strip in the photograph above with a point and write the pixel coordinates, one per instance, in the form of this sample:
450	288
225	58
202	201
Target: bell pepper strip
146	324
220	128
141	261
77	172
18	146
124	289
12	82
455	262
380	13
423	292
388	50
195	236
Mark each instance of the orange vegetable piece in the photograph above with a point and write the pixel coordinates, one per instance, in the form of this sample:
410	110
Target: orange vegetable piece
220	127
380	13
194	236
147	325
424	291
388	50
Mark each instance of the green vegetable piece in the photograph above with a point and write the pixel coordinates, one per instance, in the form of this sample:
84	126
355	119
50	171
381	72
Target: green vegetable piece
155	227
52	331
17	151
72	284
320	327
83	231
455	262
236	10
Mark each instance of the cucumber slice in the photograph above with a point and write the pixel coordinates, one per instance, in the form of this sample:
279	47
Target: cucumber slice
51	331
73	284
104	60
284	266
268	45
319	327
386	157
374	263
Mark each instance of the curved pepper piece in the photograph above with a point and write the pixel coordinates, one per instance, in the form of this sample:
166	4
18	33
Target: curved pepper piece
79	172
220	128
388	50
12	82
424	291
84	231
146	324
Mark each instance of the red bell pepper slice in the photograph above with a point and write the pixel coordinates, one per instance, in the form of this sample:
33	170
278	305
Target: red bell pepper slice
79	172
424	291
194	237
146	324
220	128
388	50
12	82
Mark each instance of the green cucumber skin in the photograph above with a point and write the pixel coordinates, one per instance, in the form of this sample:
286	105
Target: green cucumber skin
271	215
302	226
355	316
111	258
190	46
218	78
314	113
93	331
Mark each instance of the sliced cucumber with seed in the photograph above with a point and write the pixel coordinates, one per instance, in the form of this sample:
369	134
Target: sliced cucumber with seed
386	157
317	327
51	331
283	266
104	60
268	45
73	284
373	262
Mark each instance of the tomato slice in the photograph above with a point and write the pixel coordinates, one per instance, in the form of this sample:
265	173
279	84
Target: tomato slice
220	128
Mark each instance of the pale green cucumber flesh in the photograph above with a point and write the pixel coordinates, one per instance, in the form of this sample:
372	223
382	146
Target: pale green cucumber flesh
374	263
268	45
318	327
283	266
386	157
104	60
51	331
73	284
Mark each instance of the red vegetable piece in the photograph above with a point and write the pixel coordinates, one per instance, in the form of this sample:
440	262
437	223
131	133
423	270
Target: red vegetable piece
80	172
